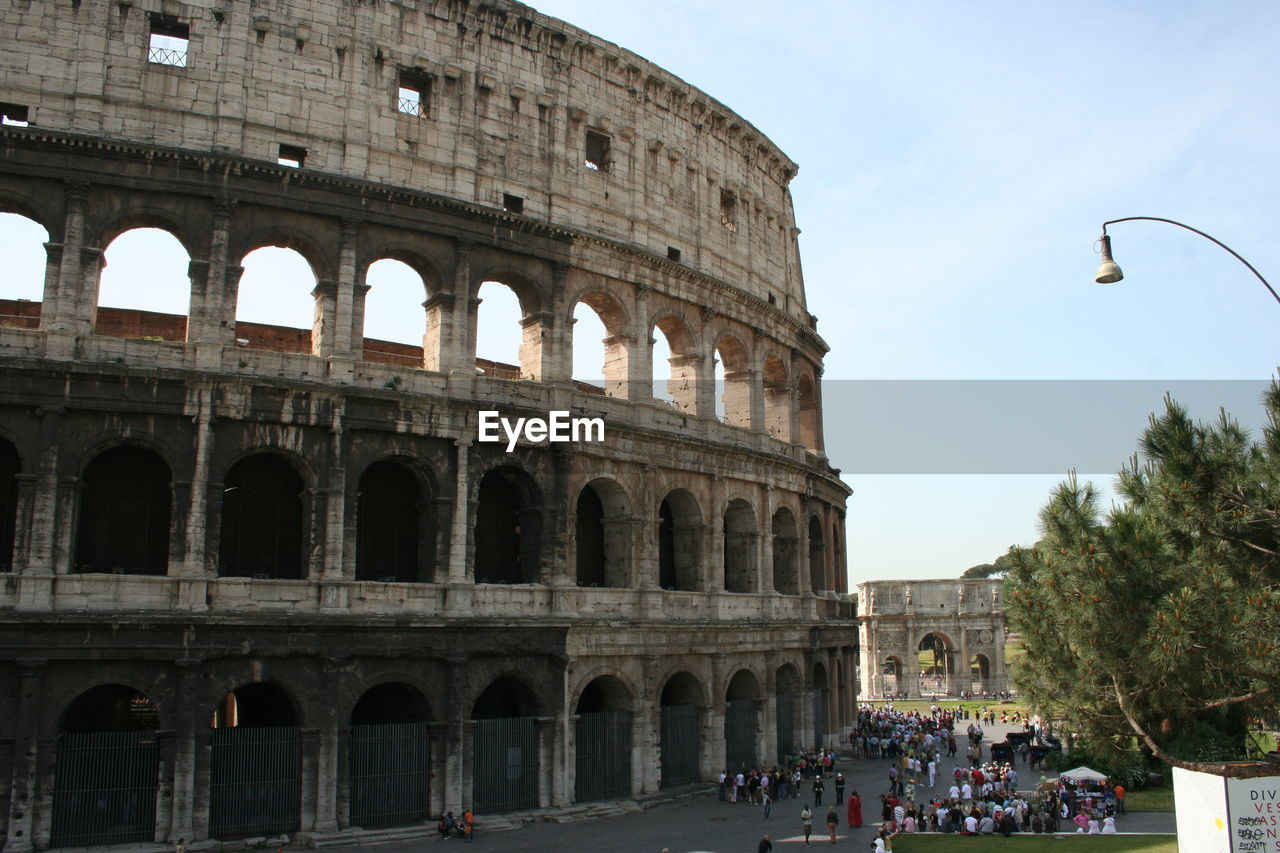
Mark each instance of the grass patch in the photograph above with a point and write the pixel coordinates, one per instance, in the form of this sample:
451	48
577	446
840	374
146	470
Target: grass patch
1150	799
903	843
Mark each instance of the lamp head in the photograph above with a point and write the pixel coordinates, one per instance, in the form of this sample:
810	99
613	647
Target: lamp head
1108	271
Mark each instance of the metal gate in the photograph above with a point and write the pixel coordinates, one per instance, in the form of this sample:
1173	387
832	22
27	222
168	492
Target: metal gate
389	765
104	789
786	726
254	776
740	734
679	744
603	749
505	771
820	716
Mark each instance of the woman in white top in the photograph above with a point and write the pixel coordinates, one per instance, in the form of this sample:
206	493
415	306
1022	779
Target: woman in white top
1108	826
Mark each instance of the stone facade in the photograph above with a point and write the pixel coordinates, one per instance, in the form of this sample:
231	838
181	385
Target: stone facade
296	529
962	619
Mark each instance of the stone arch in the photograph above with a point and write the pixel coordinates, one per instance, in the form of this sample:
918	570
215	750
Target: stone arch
733	369
151	217
23	237
143	286
817	556
936	660
389	756
602	536
602	742
788	701
279	236
263	530
786	552
508	527
255	761
680	541
684	361
821	701
260	295
106	768
123	523
605	692
979	667
391	312
395	529
257	704
10	469
682	687
615	348
533	299
740	534
777	397
894	675
507	745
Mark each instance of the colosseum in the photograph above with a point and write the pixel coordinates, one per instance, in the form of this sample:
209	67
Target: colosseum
262	579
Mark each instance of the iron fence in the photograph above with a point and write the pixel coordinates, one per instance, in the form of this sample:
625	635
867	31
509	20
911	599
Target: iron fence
786	726
389	767
104	788
820	715
740	734
167	56
603	750
506	765
254	776
679	744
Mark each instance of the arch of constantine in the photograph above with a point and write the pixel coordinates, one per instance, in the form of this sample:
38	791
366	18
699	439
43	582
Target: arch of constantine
923	638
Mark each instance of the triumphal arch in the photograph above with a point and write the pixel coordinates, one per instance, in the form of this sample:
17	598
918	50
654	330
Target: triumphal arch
262	578
931	638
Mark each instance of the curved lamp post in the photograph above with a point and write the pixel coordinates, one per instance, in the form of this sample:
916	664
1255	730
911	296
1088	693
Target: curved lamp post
1109	271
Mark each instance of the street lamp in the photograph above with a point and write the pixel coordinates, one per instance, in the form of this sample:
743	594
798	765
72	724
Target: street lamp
1109	271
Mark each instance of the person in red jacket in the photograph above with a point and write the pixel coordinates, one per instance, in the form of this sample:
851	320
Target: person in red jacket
855	809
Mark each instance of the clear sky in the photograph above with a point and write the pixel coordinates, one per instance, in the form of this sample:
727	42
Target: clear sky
956	162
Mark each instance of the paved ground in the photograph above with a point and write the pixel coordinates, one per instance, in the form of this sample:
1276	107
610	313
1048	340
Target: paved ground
706	824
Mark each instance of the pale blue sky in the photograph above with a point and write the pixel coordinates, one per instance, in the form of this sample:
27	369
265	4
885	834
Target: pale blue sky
956	162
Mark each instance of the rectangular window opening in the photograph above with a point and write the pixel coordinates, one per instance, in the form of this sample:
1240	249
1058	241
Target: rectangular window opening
597	151
14	115
292	155
729	210
512	203
673	254
169	42
773	300
413	97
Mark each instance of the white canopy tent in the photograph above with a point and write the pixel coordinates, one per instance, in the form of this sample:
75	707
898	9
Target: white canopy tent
1080	774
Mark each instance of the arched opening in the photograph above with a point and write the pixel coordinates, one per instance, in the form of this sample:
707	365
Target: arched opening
740	737
395	319
739	547
777	399
603	742
892	672
817	557
10	468
255	763
810	425
506	748
506	530
389	757
936	660
144	289
601	355
105	769
733	383
786	557
680	740
601	540
26	260
980	673
391	519
679	542
275	301
501	350
837	560
262	511
789	690
124	513
821	696
675	363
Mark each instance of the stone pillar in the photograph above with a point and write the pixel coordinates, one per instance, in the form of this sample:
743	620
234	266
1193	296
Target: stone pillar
455	776
646	740
459	579
715	523
966	678
341	340
640	363
335	497
65	315
211	324
192	567
769	710
327	759
26	746
184	751
766	580
458	338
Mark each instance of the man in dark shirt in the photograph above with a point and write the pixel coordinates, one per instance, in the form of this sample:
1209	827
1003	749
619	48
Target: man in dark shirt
766	846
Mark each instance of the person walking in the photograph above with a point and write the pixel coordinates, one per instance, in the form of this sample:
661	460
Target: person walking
766	846
833	820
806	820
817	790
855	809
768	802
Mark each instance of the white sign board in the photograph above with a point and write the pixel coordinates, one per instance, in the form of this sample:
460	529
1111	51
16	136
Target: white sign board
1218	815
1253	806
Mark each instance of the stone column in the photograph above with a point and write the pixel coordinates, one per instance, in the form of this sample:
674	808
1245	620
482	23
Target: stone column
767	582
327	758
770	710
459	579
341	342
26	746
646	740
966	677
455	776
335	516
65	315
640	363
184	750
715	523
192	571
458	337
